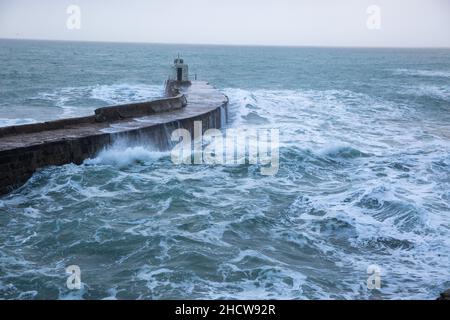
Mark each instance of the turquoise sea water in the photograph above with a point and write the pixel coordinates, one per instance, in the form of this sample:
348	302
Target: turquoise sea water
364	177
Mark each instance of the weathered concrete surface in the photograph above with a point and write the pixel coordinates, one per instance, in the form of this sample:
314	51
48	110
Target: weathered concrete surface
23	149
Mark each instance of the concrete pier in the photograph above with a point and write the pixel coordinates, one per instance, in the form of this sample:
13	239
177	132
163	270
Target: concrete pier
26	148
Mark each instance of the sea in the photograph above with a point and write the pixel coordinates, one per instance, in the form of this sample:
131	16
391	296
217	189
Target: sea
359	208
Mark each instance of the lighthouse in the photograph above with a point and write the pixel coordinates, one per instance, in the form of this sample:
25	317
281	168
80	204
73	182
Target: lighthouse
180	71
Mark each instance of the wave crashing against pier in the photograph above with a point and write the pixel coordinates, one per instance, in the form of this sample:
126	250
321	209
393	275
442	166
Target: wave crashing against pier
26	148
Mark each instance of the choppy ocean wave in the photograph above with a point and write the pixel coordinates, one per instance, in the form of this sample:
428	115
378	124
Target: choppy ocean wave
424	73
86	98
430	91
121	155
350	193
364	180
79	101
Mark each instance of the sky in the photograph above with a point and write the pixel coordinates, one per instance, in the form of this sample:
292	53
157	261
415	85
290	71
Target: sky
361	23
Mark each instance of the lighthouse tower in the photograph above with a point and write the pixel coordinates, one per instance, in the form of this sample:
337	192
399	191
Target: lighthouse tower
180	71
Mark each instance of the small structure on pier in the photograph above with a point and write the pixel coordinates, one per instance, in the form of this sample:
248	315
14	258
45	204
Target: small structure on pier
180	71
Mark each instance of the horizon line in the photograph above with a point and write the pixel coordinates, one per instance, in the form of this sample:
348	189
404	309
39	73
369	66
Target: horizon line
229	45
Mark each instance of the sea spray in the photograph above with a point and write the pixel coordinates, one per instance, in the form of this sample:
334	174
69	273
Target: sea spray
121	154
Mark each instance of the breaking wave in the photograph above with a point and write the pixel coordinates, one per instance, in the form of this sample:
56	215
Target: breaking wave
122	156
432	91
423	73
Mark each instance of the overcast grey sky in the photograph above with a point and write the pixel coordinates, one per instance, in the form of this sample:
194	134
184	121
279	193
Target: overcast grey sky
404	23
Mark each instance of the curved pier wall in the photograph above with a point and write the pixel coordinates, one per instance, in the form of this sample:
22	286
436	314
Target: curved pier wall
18	165
115	113
159	135
106	114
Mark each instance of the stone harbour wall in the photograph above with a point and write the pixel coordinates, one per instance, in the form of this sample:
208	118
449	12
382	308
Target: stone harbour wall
140	109
22	151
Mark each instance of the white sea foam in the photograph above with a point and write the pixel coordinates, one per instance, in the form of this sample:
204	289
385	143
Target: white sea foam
400	213
423	73
124	156
4	122
123	93
315	119
434	91
79	101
